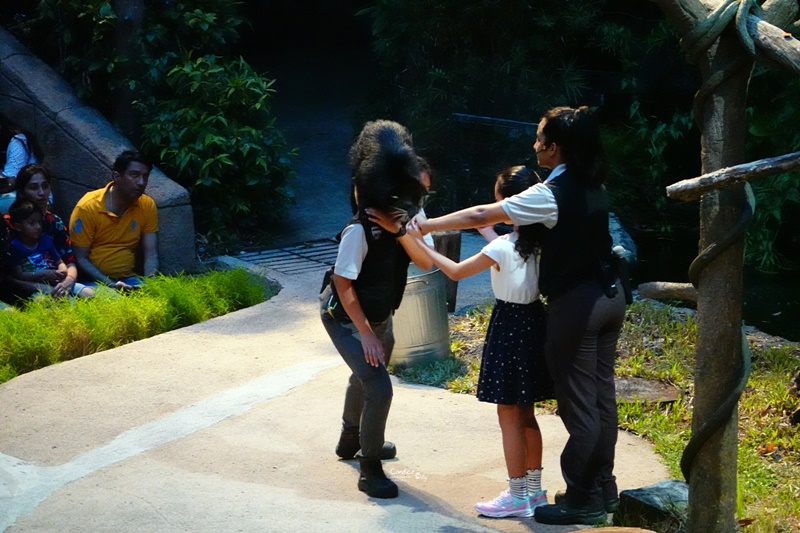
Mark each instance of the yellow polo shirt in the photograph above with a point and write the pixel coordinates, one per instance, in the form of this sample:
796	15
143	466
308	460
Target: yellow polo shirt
113	240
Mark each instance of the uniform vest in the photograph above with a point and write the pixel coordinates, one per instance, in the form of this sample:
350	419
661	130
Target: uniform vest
574	248
382	280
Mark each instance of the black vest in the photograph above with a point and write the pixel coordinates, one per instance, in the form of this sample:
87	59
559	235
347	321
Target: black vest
382	280
573	249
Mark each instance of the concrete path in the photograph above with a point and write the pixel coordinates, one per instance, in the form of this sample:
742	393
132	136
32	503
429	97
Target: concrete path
230	425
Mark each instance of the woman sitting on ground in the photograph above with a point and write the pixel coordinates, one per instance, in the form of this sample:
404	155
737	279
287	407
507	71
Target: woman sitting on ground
33	184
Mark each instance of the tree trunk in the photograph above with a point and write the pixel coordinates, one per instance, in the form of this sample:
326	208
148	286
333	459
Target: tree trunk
712	483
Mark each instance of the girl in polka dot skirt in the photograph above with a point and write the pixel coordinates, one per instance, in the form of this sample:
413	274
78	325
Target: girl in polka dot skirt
513	370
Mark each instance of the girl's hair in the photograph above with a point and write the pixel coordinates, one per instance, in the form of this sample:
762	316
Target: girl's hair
27	173
22	210
576	132
511	181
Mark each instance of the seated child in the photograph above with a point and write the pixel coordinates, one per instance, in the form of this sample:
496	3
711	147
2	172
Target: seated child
32	256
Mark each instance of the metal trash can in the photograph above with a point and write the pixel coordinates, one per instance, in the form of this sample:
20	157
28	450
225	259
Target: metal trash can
421	329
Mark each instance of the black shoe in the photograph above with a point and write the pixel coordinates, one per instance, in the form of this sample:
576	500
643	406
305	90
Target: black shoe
374	482
610	504
349	444
562	514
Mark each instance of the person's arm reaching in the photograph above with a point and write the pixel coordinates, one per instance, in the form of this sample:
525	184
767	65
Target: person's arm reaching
391	222
150	253
537	204
471	217
455	271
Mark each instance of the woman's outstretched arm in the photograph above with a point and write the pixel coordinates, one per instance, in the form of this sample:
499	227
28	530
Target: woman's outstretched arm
471	217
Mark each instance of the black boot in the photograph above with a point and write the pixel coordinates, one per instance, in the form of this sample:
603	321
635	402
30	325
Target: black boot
349	445
373	481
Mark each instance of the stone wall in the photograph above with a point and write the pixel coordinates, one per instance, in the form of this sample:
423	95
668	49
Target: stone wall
79	146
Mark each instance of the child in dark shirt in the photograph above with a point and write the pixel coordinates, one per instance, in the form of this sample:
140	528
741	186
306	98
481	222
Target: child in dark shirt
33	256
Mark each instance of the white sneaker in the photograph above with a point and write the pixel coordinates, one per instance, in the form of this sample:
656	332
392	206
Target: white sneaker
506	505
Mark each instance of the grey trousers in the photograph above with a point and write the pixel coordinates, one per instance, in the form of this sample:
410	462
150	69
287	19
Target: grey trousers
583	326
369	390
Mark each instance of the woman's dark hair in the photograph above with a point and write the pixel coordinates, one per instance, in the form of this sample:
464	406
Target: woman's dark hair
576	132
511	181
385	168
25	175
21	210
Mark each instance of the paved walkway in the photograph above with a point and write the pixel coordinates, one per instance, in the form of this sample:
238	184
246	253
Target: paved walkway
230	425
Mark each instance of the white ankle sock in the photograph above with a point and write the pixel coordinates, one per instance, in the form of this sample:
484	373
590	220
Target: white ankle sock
534	480
517	486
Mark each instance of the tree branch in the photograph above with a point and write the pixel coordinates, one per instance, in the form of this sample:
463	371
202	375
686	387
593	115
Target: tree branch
774	43
693	189
667	290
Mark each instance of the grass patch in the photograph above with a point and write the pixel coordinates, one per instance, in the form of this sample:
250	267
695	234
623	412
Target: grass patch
658	342
49	331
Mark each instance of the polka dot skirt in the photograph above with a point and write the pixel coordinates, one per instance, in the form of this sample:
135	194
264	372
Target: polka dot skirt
513	369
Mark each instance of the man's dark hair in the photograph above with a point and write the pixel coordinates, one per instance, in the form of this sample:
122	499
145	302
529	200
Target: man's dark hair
127	157
21	210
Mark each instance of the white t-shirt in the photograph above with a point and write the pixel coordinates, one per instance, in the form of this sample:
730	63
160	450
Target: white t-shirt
352	251
535	204
517	281
18	155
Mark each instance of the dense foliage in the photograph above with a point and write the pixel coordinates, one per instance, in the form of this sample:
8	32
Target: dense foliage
160	71
490	60
773	240
205	136
513	61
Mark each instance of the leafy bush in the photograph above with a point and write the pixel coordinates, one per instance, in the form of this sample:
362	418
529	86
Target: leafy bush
49	331
217	138
206	119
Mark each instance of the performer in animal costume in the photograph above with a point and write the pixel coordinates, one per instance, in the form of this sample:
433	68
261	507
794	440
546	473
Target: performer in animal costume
365	286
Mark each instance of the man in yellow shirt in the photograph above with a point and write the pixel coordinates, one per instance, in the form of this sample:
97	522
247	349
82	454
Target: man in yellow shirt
108	226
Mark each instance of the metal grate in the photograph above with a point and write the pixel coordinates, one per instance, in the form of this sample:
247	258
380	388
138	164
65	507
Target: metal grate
295	259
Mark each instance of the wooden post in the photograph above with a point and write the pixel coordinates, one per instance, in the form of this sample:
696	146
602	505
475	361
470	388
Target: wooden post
448	243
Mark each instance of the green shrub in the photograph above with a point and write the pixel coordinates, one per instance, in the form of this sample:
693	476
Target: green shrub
215	135
49	331
205	119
